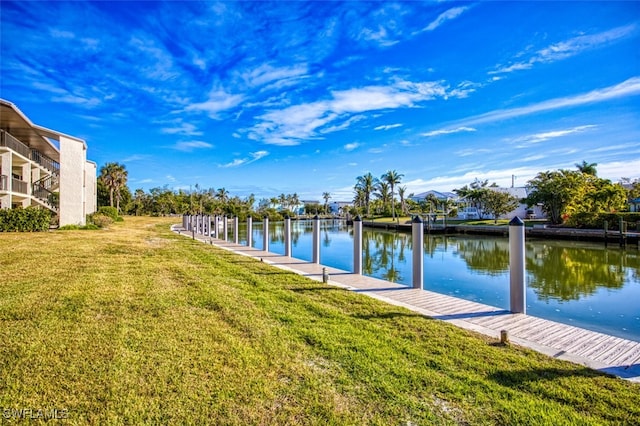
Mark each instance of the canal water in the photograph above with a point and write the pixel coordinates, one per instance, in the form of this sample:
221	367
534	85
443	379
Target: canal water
577	283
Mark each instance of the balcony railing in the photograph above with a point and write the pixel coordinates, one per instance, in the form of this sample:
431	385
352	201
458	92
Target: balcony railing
20	186
6	139
4	183
46	162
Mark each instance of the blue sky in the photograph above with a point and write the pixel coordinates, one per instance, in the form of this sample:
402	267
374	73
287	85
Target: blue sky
284	97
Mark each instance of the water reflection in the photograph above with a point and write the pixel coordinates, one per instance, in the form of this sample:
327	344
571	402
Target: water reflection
585	283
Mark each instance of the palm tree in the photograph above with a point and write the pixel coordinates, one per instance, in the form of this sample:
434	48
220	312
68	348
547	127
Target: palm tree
326	197
587	168
366	184
223	195
114	177
392	178
402	190
383	193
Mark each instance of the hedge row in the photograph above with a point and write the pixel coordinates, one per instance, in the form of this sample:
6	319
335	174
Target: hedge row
30	219
596	221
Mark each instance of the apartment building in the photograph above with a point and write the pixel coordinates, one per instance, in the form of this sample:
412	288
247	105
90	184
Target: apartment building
43	167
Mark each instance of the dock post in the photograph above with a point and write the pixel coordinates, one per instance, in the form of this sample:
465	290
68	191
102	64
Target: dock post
236	238
357	245
265	234
287	236
517	289
417	236
622	233
316	239
225	227
208	231
249	231
606	229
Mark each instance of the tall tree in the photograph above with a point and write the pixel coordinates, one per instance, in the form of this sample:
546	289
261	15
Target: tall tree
326	197
402	191
392	178
114	176
366	183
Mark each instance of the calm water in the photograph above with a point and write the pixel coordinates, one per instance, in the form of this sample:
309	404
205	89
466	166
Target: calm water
581	284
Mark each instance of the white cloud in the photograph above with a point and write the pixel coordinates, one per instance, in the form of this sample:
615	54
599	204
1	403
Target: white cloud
219	101
545	136
445	16
189	146
448	131
351	146
291	125
253	156
471	151
568	48
181	128
387	126
630	87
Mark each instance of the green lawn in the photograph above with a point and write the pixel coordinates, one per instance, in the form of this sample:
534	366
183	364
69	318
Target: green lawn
136	325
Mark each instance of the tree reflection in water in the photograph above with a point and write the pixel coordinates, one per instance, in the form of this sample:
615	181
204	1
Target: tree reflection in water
556	270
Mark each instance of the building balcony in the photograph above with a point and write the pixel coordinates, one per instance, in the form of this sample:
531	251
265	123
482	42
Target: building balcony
6	139
19	186
11	142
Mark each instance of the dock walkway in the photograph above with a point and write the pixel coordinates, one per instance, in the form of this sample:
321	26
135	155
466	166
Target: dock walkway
614	355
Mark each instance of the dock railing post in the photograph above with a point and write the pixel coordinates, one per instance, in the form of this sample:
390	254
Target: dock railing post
265	234
287	236
517	288
209	225
249	231
316	239
357	245
225	227
417	236
236	238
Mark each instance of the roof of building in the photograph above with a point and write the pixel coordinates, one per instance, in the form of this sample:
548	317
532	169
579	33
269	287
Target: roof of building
439	195
37	137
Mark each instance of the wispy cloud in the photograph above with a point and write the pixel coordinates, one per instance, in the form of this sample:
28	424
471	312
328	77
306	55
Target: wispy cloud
291	125
351	146
180	128
448	131
568	48
219	101
630	87
253	156
387	126
448	15
188	146
525	141
472	152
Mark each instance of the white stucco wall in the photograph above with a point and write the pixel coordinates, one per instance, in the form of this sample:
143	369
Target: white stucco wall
72	180
90	189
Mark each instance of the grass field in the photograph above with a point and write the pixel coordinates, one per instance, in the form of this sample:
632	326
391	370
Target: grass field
136	325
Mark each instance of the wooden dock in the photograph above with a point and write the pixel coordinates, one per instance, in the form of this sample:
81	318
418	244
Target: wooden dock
610	354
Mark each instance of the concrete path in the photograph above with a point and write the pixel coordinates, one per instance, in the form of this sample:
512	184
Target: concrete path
614	355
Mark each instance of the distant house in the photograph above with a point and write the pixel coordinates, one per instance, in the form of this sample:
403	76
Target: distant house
522	211
338	207
440	196
36	172
634	205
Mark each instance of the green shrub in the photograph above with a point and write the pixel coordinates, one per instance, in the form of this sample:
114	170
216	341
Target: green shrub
101	220
30	219
111	212
596	220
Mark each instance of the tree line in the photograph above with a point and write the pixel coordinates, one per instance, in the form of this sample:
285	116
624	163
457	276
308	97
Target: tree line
564	195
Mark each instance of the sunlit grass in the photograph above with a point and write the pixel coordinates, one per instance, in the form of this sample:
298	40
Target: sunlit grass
136	325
